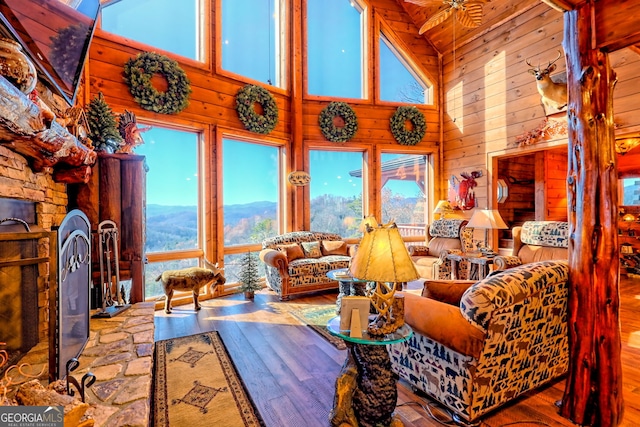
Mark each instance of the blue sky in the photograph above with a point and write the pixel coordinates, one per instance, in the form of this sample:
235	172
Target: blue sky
334	69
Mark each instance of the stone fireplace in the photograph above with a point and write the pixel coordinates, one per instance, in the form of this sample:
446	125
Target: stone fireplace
41	203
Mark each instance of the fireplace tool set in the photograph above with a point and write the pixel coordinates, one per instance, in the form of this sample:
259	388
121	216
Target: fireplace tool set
113	301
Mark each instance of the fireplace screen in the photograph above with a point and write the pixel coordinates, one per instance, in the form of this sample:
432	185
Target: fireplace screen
73	283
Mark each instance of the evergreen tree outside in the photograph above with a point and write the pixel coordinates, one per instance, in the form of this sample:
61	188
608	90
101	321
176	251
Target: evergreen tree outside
103	129
249	278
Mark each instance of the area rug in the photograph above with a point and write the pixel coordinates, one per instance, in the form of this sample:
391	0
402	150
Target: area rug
196	384
316	317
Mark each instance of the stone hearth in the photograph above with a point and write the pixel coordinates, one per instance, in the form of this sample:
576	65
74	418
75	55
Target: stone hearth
120	354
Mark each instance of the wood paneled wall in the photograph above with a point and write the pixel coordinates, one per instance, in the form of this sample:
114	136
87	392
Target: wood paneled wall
212	104
494	99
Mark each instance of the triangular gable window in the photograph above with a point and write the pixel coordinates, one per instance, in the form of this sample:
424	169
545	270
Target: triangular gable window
399	82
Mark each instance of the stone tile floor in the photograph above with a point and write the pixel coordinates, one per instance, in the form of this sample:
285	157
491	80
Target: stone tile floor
120	354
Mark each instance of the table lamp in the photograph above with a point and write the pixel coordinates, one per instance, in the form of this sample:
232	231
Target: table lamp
382	257
443	208
487	219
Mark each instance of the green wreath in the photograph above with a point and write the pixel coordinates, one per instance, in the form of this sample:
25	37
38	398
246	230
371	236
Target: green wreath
332	132
245	101
399	128
138	73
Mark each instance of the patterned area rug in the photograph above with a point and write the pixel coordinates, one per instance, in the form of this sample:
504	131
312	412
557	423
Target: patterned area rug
196	384
316	317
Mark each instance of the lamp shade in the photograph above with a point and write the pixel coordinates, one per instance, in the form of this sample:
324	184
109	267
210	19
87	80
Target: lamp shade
443	207
628	217
487	219
383	257
626	248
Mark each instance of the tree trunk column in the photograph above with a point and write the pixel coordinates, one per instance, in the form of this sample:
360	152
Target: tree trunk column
593	395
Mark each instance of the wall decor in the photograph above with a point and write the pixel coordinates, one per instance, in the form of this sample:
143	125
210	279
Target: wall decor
328	126
246	98
399	129
299	178
138	74
461	192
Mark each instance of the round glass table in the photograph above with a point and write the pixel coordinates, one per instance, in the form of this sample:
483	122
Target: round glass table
366	389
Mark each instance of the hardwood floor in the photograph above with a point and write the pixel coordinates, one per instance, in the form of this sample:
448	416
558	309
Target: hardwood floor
289	370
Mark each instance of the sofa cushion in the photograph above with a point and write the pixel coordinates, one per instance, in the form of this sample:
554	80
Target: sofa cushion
293	251
317	266
448	291
334	247
546	233
439	244
311	249
531	253
448	228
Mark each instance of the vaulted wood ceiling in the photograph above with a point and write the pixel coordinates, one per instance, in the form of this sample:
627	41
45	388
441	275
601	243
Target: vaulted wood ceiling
616	26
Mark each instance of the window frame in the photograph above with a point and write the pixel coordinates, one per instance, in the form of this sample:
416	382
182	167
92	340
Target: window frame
203	45
367	74
282	48
199	252
367	152
282	216
404	55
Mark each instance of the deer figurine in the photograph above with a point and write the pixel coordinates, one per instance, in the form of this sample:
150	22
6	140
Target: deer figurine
553	94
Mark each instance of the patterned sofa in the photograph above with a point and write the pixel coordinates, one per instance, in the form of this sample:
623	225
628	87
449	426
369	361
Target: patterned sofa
445	236
478	346
298	262
536	241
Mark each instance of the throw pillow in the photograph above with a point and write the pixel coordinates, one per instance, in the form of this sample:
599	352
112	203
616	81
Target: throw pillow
335	247
311	249
448	291
293	251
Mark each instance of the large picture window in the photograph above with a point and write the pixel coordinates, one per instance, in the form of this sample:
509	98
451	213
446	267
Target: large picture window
252	39
173	26
251	187
404	192
335	48
336	191
172	223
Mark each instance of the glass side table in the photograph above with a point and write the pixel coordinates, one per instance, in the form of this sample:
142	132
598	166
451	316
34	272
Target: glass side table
366	389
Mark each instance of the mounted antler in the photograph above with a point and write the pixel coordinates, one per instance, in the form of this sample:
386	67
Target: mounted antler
553	94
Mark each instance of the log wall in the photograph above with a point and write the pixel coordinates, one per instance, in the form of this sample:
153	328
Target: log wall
494	101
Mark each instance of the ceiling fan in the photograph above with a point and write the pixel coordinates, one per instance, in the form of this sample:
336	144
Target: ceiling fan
468	12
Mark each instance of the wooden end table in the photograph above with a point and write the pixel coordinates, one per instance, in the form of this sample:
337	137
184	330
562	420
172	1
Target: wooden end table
481	262
366	389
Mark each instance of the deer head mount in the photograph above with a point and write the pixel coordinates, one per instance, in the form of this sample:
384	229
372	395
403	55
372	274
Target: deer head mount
467	12
553	94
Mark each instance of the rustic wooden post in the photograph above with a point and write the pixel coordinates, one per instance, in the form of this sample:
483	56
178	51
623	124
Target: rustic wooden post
593	395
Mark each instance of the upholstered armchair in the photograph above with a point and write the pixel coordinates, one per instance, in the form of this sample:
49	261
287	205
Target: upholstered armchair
536	241
477	346
445	236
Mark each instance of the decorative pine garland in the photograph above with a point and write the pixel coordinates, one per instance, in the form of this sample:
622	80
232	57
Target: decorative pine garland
258	123
399	128
138	73
330	130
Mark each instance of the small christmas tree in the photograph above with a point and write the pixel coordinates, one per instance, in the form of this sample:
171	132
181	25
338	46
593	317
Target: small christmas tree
103	129
249	277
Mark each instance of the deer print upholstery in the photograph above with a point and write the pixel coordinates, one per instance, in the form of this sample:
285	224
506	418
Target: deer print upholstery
445	236
536	241
478	346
